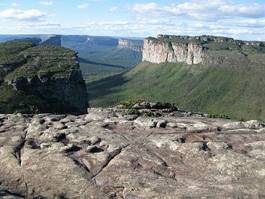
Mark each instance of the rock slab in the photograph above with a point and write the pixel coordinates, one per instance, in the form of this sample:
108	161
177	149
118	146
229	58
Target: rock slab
104	154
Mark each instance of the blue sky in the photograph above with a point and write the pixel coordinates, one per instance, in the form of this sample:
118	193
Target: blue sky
241	19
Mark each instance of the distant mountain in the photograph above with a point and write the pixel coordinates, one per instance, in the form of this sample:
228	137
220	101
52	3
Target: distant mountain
108	50
227	79
104	56
135	45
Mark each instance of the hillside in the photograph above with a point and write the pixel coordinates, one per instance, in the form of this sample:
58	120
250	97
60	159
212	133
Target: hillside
40	78
236	92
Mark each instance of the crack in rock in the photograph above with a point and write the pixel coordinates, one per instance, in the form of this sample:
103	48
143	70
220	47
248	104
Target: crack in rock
112	155
18	149
7	193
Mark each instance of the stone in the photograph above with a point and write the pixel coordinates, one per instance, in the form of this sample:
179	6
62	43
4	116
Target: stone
218	147
107	158
94	140
233	125
252	124
161	123
146	122
172	125
59	126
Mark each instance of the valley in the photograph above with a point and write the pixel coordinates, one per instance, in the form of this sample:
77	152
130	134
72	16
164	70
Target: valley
132	99
103	56
217	75
228	81
99	56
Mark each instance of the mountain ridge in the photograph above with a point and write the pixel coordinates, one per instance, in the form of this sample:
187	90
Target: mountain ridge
208	50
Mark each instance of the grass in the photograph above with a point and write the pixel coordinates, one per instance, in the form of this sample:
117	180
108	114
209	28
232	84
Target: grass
236	92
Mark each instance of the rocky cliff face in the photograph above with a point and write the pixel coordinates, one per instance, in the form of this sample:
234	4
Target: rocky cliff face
197	50
161	52
42	78
135	45
124	154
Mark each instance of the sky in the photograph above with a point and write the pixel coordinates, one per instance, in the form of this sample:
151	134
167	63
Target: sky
240	19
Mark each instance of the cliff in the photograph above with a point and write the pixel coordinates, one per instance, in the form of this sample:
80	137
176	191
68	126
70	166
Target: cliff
135	45
209	50
40	78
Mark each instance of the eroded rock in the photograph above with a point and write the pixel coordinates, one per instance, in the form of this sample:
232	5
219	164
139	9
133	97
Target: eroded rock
106	155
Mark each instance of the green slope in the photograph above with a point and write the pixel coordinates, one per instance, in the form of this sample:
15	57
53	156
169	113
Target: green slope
238	92
107	61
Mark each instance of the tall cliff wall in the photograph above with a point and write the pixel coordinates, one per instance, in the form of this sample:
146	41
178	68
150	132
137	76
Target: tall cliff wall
195	50
160	52
135	45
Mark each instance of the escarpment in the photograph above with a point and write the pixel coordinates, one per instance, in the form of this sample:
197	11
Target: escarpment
134	45
209	50
161	52
40	78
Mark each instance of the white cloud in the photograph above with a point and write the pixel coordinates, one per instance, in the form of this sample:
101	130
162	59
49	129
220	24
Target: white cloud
14	4
113	9
191	17
46	3
18	14
82	6
145	7
211	9
194	17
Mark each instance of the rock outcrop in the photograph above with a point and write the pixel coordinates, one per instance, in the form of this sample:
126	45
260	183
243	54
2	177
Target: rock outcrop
151	151
208	50
43	78
135	45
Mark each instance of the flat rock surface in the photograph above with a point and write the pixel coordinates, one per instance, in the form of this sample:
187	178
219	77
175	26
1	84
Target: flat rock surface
109	153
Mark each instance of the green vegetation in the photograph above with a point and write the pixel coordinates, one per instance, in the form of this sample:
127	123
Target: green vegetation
9	51
46	60
104	61
11	100
233	92
213	43
21	61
